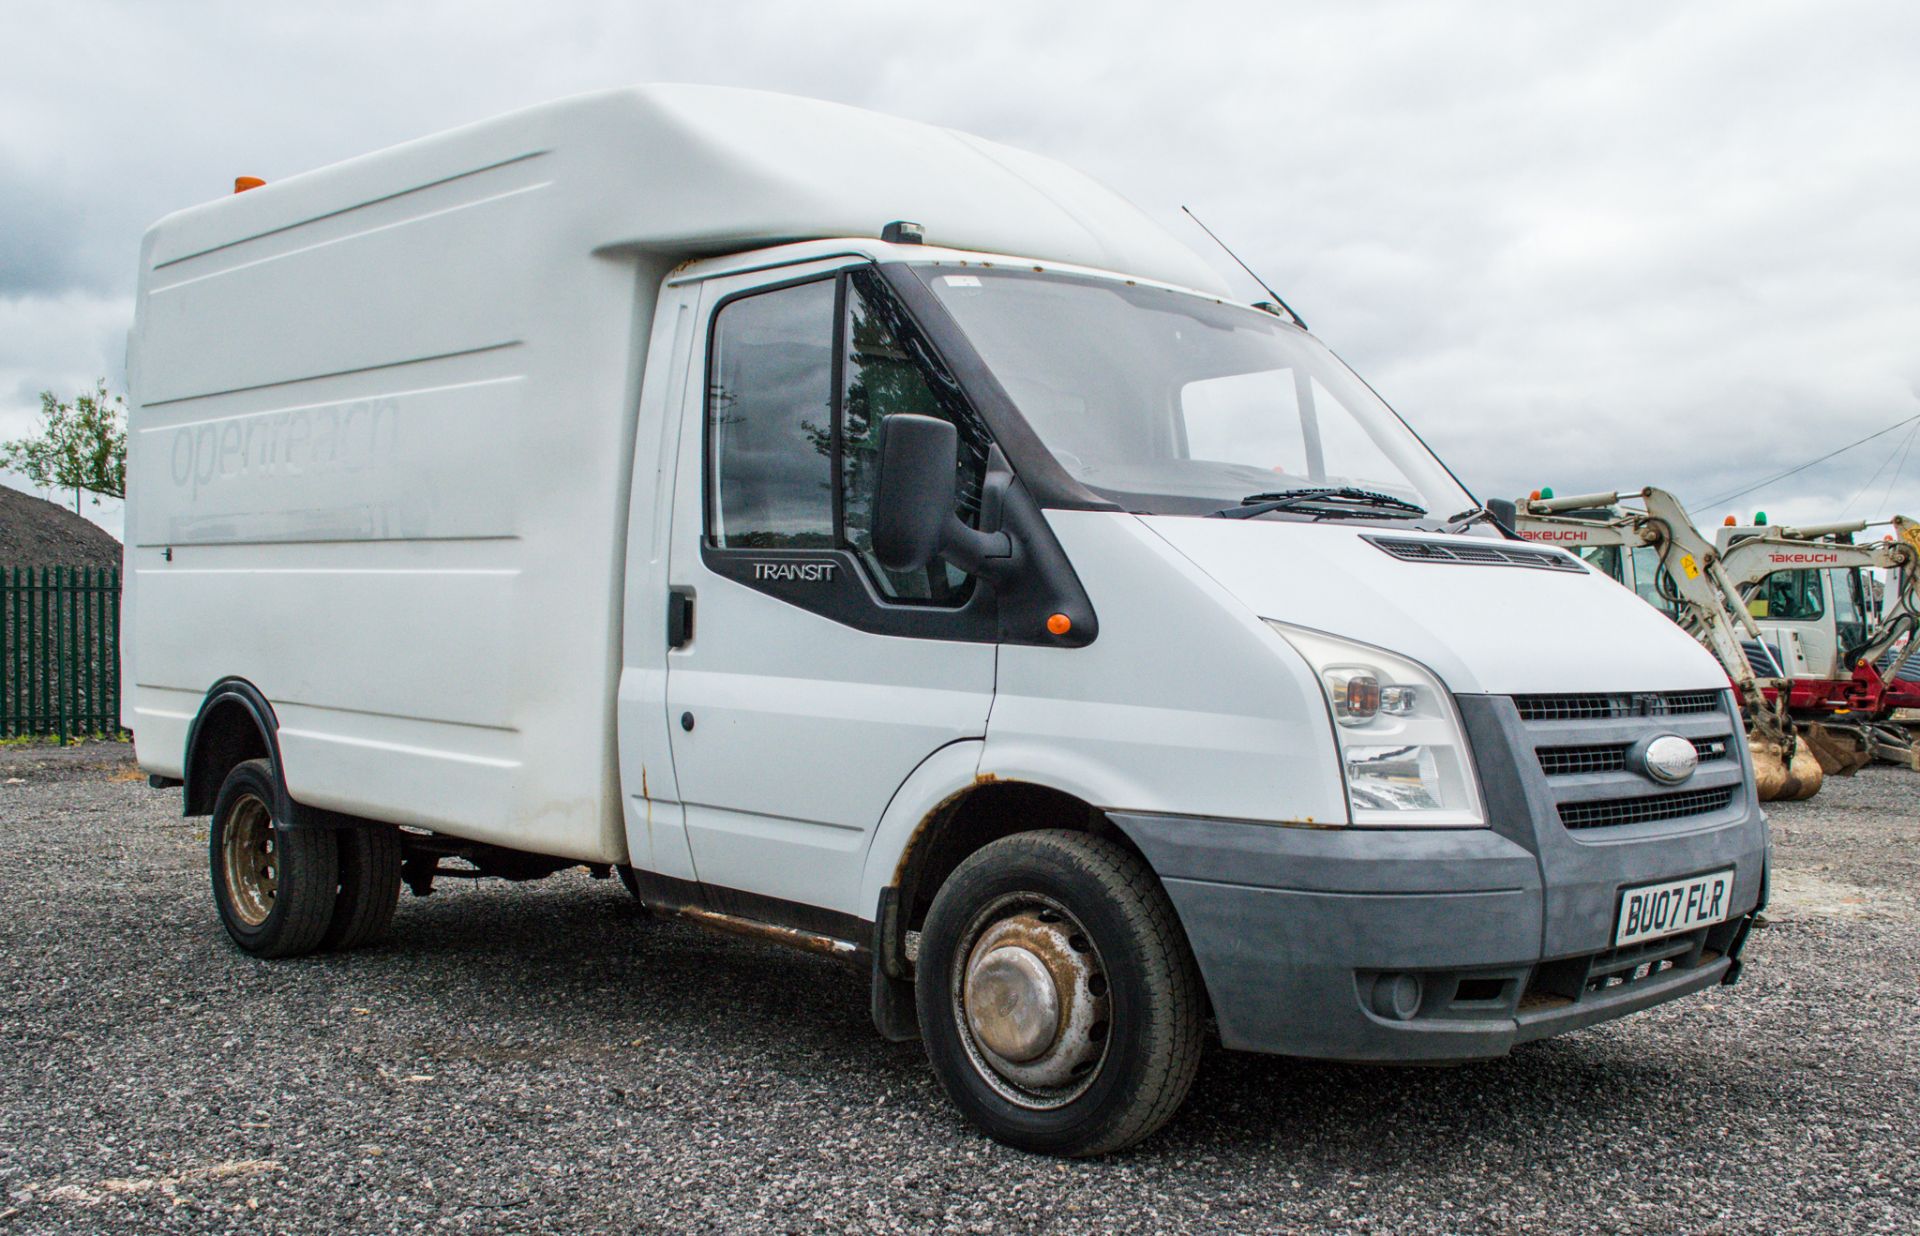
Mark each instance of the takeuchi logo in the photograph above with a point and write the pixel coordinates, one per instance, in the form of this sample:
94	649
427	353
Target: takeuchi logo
1803	558
1554	534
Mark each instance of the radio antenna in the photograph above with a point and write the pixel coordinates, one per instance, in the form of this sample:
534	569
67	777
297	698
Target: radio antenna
1297	319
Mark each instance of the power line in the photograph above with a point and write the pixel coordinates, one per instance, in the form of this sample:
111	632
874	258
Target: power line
1898	468
1885	461
1739	493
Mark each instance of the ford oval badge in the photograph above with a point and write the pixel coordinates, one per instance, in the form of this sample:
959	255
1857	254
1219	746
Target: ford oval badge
1669	758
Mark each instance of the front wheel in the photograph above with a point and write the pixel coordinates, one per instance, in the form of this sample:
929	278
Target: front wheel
274	887
1059	1003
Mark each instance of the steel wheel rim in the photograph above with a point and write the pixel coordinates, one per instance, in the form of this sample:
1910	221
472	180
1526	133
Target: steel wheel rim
249	860
1024	960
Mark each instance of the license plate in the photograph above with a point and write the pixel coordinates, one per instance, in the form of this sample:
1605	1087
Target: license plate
1654	910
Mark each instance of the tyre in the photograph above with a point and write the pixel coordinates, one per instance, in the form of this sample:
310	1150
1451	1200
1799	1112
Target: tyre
369	886
275	888
1060	1005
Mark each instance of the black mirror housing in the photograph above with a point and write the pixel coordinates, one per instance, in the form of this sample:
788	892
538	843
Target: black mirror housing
914	490
914	495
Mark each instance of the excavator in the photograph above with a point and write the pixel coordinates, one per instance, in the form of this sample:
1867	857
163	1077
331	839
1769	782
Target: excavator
1819	682
1654	548
1848	654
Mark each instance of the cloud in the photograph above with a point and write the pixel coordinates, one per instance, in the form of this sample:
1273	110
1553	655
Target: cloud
1586	246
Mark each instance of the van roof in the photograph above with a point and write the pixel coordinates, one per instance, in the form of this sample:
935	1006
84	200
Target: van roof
698	171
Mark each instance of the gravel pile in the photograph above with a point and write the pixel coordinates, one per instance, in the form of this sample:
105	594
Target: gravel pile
544	1058
35	532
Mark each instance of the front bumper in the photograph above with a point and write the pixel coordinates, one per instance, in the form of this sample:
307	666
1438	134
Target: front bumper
1436	945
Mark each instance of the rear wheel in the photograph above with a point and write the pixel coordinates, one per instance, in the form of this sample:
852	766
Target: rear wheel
274	887
369	886
1059	1003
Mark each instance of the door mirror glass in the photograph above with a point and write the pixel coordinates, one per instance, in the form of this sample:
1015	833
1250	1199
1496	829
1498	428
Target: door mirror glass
913	493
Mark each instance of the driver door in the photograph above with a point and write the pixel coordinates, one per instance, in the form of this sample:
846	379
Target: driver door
810	682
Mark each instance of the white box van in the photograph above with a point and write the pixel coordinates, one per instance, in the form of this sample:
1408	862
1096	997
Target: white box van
995	603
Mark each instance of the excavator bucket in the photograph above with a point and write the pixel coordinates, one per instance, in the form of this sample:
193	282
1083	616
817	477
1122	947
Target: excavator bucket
1840	751
1783	777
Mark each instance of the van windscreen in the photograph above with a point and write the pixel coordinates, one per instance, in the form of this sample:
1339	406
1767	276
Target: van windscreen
1172	403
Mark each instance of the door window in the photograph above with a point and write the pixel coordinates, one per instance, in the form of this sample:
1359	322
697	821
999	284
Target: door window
889	371
1849	608
770	416
1788	596
795	450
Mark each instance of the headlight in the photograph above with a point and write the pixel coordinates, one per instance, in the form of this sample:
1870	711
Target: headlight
1402	750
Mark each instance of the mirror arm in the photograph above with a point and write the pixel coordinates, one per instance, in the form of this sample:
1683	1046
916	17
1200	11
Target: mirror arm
975	552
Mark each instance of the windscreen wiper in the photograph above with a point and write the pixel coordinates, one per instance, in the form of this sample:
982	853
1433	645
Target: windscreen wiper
1326	502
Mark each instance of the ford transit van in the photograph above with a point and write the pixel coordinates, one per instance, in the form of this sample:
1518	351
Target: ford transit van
889	543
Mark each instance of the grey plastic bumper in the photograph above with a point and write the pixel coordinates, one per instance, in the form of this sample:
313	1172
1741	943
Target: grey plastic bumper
1431	945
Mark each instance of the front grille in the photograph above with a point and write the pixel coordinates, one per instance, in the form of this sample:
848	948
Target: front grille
1612	757
1602	707
1475	555
1610	813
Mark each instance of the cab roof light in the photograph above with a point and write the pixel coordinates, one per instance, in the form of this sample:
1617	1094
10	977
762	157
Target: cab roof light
1546	491
1730	522
1759	519
242	183
901	232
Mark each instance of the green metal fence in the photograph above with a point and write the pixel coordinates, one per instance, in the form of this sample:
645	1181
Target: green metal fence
59	651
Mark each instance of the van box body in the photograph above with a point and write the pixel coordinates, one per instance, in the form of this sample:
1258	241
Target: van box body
385	417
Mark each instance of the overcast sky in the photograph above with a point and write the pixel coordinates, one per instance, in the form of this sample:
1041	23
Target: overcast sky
1591	246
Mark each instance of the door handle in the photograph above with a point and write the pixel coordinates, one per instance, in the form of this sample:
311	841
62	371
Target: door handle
679	618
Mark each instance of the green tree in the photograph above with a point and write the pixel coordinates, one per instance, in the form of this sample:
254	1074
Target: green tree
82	444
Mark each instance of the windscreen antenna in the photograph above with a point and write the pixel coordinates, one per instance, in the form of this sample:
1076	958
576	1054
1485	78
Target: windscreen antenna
1297	319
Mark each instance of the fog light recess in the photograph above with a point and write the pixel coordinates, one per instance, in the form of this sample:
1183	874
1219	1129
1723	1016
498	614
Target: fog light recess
1397	996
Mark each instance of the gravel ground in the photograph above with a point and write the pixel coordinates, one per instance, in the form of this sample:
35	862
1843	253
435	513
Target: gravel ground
545	1058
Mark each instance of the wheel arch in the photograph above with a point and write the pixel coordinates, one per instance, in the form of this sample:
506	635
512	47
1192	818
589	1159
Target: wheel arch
235	723
948	809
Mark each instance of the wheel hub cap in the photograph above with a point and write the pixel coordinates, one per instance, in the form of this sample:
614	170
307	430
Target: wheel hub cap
1034	1003
1012	1004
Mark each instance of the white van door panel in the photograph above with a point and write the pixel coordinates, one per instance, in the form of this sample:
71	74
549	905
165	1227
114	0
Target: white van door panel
802	731
791	730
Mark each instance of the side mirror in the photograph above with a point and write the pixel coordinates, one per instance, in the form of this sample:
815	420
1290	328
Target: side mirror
914	490
1505	512
914	495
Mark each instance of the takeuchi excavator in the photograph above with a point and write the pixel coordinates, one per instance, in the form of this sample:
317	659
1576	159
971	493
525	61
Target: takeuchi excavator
1655	549
1842	635
1820	682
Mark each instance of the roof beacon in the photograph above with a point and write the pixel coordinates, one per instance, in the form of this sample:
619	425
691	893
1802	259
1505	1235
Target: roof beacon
900	232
